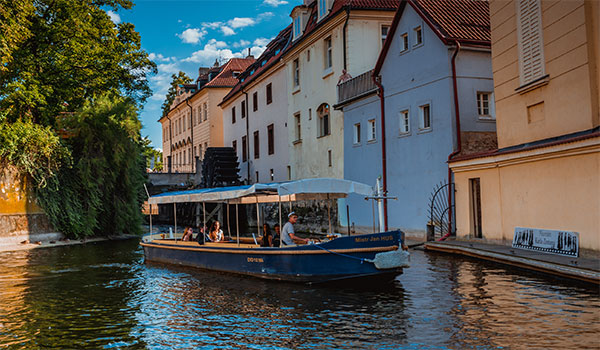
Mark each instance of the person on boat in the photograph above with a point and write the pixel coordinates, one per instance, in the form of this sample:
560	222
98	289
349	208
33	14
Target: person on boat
288	236
276	236
216	234
188	234
267	237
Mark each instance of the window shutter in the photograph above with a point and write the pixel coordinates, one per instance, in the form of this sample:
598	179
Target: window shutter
531	45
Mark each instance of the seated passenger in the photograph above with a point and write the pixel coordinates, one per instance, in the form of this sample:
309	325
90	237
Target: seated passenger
216	234
267	238
188	234
276	235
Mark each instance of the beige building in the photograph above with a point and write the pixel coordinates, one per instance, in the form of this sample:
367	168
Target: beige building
195	120
545	173
328	36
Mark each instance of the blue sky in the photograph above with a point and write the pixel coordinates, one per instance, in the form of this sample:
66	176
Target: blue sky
184	35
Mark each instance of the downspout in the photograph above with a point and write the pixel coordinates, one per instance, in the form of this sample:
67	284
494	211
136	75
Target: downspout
247	137
458	139
376	80
344	34
187	102
170	165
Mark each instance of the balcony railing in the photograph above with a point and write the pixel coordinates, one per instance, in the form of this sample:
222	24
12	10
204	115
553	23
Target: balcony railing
356	87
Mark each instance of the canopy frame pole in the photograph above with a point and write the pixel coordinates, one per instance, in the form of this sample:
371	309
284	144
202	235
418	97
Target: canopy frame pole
175	217
204	221
228	225
373	208
257	218
329	212
279	219
237	224
150	218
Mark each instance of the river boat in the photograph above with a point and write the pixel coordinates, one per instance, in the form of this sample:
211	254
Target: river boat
377	256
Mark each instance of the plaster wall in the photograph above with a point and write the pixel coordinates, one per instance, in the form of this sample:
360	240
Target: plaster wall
274	113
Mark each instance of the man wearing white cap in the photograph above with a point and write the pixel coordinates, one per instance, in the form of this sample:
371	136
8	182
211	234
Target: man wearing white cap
288	236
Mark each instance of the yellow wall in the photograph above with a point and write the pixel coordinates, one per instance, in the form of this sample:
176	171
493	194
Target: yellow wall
15	197
569	101
556	188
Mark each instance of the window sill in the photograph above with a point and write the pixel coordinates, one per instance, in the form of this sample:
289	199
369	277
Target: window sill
416	46
369	142
356	144
533	84
322	136
299	141
327	72
486	119
404	52
424	131
295	89
404	134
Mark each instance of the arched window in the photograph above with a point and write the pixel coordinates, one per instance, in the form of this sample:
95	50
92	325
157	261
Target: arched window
323	114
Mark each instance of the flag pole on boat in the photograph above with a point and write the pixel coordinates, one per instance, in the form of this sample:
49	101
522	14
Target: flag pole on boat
279	219
329	212
257	219
237	224
175	217
204	222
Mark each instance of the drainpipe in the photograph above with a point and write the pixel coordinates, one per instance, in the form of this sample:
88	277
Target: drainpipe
247	136
458	139
170	158
377	80
187	102
344	34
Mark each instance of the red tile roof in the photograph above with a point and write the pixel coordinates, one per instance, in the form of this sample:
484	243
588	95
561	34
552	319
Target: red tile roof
225	78
465	21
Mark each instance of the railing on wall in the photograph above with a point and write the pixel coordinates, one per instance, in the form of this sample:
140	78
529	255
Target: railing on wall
358	86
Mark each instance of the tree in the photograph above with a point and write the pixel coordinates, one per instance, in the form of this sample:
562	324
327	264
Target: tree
70	51
176	80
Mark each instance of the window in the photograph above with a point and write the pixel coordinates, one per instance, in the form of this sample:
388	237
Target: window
425	117
298	127
475	204
256	145
199	114
205	111
257	178
190	123
357	133
244	149
195	151
322	8
530	41
418	36
404	122
329	158
272	173
328	54
296	73
309	114
200	149
384	33
271	139
323	113
297	27
243	109
371	130
233	115
183	155
308	55
183	120
255	101
269	93
234	145
289	169
485	105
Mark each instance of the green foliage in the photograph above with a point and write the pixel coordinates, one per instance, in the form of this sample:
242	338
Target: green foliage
180	78
102	193
35	150
57	54
152	153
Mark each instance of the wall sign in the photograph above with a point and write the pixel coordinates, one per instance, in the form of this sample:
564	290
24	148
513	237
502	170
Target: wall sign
549	241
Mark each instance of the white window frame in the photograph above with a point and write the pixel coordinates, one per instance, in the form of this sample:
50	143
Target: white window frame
384	36
422	124
328	53
356	134
298	127
530	40
297	27
296	73
491	110
418	29
323	8
372	130
404	121
404	42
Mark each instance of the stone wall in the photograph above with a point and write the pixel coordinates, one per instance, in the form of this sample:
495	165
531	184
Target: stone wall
20	217
476	142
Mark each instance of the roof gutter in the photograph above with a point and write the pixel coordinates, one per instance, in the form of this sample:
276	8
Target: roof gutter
458	138
376	80
344	32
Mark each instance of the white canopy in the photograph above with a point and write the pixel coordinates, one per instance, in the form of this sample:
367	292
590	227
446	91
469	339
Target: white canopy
319	188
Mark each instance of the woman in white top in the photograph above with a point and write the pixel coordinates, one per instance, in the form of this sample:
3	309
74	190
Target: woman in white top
216	234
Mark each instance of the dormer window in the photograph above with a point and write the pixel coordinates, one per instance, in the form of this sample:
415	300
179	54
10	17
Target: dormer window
235	74
323	8
297	27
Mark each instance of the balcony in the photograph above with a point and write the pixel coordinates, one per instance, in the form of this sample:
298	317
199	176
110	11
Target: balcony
357	87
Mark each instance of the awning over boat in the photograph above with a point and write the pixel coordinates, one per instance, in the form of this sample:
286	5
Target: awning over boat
320	188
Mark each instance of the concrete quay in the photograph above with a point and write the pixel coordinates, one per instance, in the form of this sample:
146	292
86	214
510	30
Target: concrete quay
583	268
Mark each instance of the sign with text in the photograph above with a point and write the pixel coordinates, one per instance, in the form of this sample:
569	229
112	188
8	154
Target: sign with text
550	241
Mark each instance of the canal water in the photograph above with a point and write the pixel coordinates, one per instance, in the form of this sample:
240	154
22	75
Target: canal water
103	295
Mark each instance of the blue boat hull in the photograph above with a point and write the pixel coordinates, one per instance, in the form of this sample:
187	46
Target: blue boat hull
342	258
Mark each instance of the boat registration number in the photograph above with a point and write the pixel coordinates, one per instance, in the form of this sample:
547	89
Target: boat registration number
255	260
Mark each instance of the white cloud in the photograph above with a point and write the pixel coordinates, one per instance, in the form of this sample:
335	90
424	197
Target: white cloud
192	35
227	31
262	41
241	22
170	68
274	3
264	16
114	16
212	50
212	25
159	57
241	43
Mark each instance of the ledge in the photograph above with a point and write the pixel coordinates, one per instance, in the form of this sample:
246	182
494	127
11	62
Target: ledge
533	85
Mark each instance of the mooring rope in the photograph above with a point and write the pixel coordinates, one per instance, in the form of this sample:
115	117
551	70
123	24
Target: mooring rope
362	260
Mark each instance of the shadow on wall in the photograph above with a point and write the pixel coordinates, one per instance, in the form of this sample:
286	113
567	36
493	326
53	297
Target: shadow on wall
20	217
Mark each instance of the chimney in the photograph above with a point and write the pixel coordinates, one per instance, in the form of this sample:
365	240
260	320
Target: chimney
249	54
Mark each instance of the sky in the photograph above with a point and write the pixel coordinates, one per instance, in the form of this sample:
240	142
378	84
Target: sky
185	35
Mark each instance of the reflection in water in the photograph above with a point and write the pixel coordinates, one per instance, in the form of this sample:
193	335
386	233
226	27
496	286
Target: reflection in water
104	296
